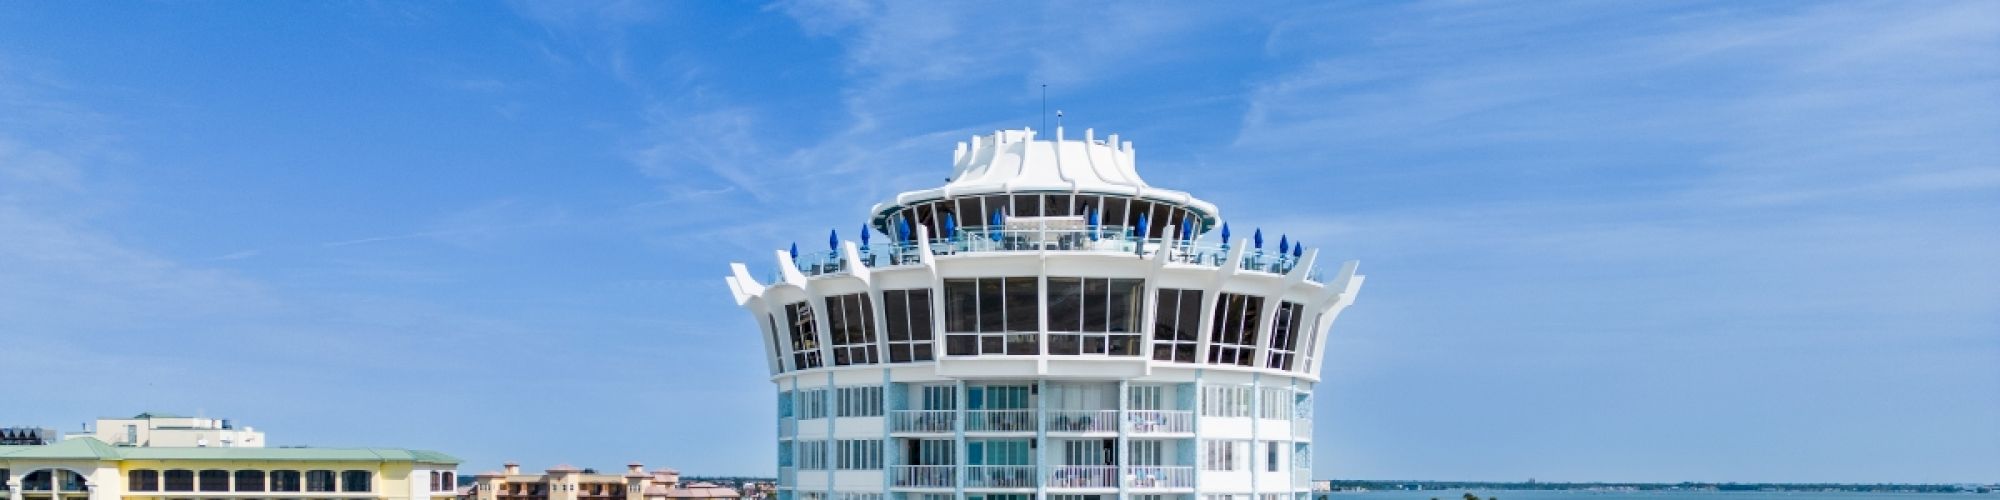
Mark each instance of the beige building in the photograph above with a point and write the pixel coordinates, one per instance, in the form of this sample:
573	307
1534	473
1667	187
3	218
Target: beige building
154	429
565	482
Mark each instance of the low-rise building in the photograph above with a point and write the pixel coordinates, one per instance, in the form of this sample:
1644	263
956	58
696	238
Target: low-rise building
166	429
566	482
86	468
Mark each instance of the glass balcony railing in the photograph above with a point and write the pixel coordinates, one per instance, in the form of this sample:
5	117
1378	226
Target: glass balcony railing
1015	238
1159	421
788	427
1000	476
1083	476
1159	477
1000	421
1083	421
923	421
923	476
788	476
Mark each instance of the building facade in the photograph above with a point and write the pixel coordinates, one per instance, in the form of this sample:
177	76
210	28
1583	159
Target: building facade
565	482
169	430
1045	325
86	468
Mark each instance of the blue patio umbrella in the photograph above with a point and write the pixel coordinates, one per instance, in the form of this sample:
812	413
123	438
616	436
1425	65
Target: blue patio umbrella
1143	229
1187	229
1298	249
902	229
1257	238
832	239
864	235
1225	234
993	229
1284	245
1090	217
950	223
795	250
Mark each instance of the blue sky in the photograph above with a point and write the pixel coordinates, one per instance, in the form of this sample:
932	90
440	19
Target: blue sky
1606	240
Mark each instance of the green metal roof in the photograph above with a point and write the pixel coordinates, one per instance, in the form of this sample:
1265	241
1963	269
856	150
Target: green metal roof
87	448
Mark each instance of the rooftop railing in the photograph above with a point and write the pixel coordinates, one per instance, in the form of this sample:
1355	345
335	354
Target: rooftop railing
1015	238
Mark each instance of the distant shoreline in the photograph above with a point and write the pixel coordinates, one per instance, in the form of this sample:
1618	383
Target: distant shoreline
1385	485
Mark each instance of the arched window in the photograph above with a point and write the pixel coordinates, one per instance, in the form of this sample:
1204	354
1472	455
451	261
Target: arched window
214	480
355	481
319	480
142	480
179	480
249	480
284	480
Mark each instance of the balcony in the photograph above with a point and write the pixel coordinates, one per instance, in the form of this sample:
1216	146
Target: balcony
1050	235
923	476
1159	477
1302	478
1000	421
923	421
788	477
788	428
1083	476
1160	421
1302	428
1000	476
1083	421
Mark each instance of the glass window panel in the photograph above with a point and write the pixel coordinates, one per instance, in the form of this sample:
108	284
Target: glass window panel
896	308
992	302
961	305
1065	304
1023	308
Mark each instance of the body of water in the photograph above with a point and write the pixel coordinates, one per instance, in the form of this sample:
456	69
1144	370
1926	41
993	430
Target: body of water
1635	495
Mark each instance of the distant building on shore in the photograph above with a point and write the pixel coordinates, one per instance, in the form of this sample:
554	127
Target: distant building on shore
566	482
87	468
170	430
26	436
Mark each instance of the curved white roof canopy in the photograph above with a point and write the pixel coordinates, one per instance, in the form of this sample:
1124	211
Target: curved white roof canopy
1013	162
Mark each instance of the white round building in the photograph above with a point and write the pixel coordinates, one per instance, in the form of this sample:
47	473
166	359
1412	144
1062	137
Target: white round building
1046	325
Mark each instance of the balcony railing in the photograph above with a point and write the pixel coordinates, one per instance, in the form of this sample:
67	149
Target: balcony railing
927	421
1000	476
788	427
1159	477
1054	236
1160	421
923	476
1000	421
1083	421
1083	476
1302	428
788	476
1302	478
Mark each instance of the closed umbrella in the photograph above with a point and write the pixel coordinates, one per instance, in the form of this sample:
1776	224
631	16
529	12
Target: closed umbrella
1298	249
903	229
1187	229
864	235
993	229
795	250
1284	245
832	239
1143	230
950	224
1090	217
1257	238
1225	234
